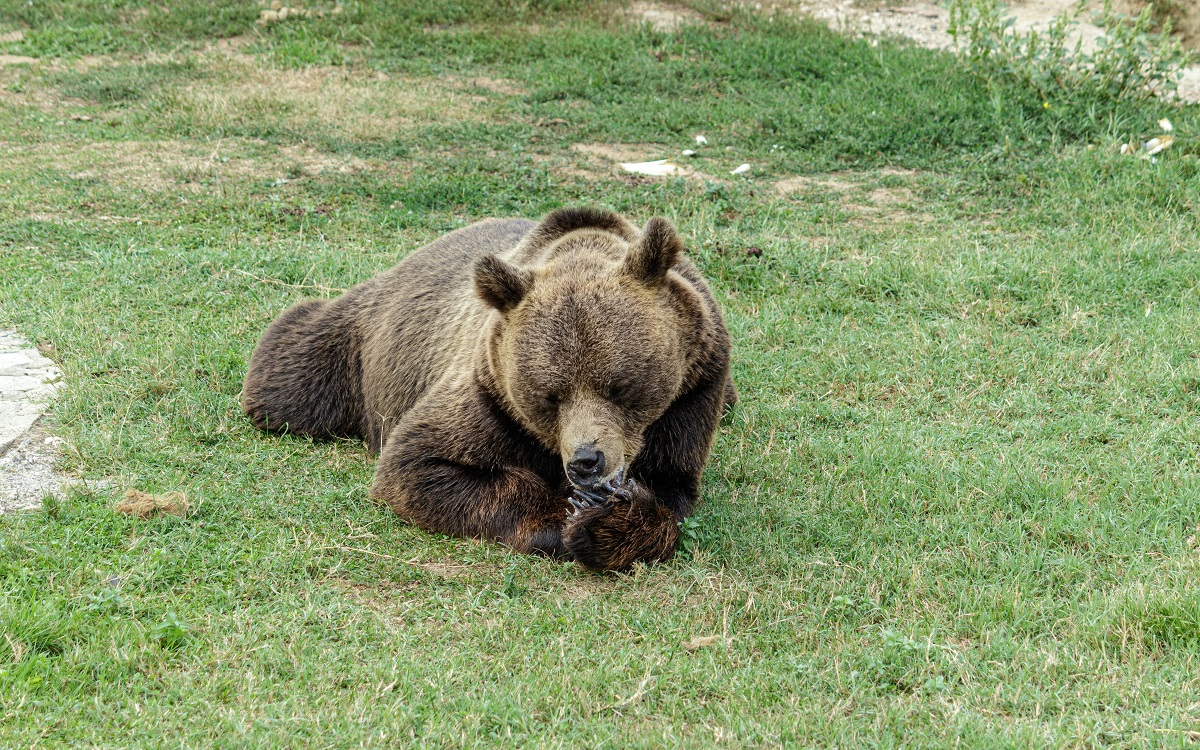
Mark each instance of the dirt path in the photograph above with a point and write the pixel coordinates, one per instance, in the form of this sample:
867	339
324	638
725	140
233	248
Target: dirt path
924	23
927	25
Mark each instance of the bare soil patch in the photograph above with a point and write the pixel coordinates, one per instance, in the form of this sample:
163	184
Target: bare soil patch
927	24
27	475
1184	15
855	192
619	152
565	167
16	60
662	16
601	159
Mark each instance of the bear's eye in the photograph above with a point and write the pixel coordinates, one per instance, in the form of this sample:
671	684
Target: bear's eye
616	391
551	399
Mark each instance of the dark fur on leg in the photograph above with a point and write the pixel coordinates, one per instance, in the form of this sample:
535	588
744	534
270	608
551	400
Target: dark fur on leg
435	472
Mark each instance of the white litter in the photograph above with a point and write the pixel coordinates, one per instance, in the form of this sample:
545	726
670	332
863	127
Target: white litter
688	152
1158	145
742	169
1166	125
701	140
660	168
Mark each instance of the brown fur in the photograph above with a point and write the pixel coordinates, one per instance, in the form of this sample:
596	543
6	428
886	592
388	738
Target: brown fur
483	364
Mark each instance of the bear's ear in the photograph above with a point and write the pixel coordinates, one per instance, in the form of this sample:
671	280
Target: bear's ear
653	253
501	284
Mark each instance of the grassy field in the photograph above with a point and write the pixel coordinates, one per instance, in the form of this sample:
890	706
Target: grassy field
958	504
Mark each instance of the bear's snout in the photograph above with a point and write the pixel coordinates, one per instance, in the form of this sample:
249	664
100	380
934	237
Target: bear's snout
586	467
592	444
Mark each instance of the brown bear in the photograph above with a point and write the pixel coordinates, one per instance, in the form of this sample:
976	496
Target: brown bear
553	386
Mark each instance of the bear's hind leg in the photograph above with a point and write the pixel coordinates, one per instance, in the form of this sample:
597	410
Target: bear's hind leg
305	376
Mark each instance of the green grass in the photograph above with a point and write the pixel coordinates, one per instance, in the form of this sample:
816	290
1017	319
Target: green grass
952	508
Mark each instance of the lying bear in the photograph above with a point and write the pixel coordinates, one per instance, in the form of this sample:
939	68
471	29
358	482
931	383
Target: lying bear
552	386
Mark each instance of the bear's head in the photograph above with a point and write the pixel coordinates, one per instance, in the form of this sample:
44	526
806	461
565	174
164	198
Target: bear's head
594	341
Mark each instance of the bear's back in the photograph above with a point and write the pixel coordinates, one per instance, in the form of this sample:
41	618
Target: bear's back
421	319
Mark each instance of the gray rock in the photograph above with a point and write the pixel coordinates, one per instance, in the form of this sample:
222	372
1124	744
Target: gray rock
27	383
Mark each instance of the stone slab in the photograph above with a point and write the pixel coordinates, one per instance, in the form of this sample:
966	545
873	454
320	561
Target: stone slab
28	381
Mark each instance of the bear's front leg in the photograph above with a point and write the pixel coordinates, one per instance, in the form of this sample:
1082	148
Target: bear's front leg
455	464
614	531
509	505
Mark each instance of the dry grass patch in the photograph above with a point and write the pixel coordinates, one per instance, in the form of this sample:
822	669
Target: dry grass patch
232	49
144	505
16	60
181	165
315	162
613	153
855	193
44	100
154	165
357	106
383	598
582	588
566	167
605	159
494	85
450	570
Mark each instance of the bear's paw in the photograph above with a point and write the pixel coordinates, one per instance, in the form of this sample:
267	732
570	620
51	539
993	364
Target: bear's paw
614	531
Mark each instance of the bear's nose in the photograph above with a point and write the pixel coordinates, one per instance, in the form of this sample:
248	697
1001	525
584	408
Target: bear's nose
586	466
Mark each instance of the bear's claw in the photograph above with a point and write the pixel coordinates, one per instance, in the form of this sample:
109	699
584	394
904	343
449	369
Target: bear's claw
589	498
616	490
585	500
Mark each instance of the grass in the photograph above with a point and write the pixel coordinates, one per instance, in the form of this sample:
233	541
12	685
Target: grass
956	506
